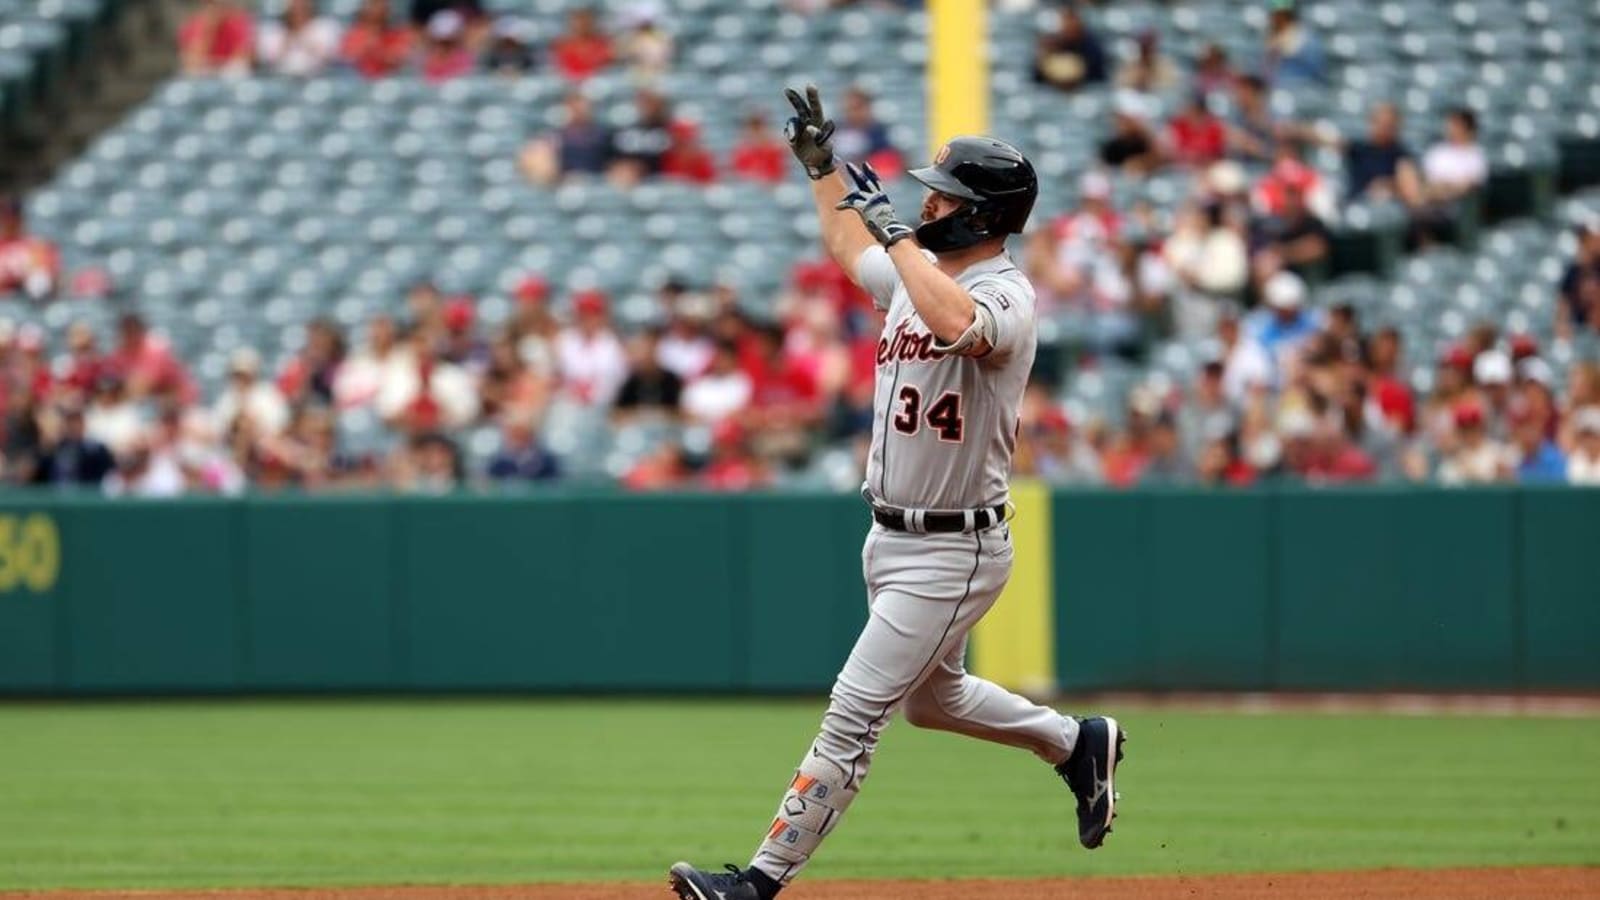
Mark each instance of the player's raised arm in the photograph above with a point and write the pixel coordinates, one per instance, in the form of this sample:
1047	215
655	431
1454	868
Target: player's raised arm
810	136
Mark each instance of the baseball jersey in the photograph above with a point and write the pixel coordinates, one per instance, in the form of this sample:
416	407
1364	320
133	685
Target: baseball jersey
944	427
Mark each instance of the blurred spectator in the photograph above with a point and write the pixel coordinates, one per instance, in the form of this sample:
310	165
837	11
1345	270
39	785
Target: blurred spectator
111	418
533	327
1213	73
1165	462
156	465
1210	259
687	159
1578	306
23	438
1252	128
460	343
146	364
1127	452
429	464
824	281
81	369
421	393
1492	372
218	38
661	469
722	391
1381	166
1457	165
1290	172
785	398
1049	446
380	361
642	145
71	456
1284	326
520	458
1389	394
1522	347
1082	263
645	46
1452	383
684	349
510	49
1328	456
1583	465
649	388
1221	464
581	146
1539	459
1451	170
510	388
1583	386
306	453
1294	56
445	53
860	137
1150	72
248	395
1075	242
301	43
1195	137
471	13
1476	458
732	467
28	372
583	49
1130	146
310	375
1294	239
589	355
1208	414
374	45
1071	57
29	265
760	154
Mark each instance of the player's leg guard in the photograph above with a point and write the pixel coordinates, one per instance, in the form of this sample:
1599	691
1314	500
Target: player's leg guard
812	806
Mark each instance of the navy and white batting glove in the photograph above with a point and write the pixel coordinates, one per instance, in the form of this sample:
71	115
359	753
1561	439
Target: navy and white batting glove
809	132
873	206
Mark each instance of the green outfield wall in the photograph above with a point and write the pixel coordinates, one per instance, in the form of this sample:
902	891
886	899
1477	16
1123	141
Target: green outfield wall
1273	589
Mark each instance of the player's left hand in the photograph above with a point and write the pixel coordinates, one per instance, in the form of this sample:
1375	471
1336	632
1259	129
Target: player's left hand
870	202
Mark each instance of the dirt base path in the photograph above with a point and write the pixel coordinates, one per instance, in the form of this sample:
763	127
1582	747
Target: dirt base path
1545	883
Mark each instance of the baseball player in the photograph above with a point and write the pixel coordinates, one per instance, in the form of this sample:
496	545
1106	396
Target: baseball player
957	345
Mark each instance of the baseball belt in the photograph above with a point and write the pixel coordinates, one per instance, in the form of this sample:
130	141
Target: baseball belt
924	521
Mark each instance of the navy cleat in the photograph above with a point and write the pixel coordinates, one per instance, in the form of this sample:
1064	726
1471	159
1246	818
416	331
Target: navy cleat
1090	772
692	884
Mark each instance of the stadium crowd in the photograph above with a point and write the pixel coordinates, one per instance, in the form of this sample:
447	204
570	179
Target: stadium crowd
1287	391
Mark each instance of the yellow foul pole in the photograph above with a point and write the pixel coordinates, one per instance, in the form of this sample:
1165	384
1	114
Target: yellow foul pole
958	70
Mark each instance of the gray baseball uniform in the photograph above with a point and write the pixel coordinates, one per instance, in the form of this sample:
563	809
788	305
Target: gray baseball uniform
942	438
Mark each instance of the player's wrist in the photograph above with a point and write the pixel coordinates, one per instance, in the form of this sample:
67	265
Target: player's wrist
891	233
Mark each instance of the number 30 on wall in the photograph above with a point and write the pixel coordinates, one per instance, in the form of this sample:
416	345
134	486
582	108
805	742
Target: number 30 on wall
30	552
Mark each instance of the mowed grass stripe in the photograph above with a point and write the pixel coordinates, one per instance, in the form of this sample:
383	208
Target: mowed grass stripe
379	791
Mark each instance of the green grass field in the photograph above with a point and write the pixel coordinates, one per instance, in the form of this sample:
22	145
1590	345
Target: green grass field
353	792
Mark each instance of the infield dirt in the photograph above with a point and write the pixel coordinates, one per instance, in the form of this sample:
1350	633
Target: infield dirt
1410	884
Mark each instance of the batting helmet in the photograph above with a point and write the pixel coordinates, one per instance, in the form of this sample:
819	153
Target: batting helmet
996	182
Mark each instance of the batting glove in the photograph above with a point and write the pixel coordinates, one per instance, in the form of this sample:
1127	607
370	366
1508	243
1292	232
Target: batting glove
809	132
873	206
